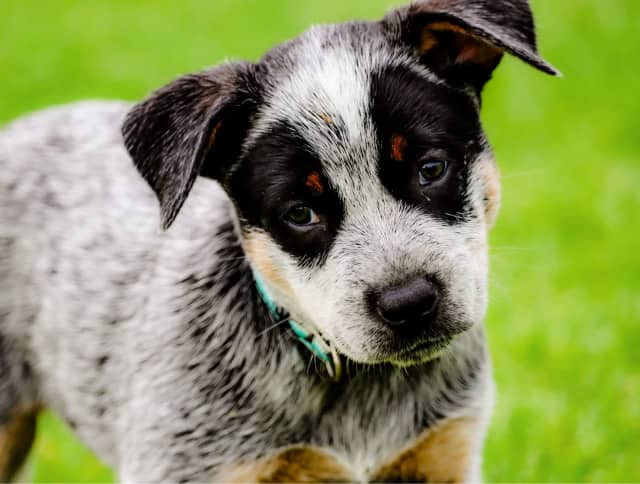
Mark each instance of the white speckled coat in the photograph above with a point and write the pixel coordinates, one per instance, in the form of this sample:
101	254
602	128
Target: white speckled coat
154	344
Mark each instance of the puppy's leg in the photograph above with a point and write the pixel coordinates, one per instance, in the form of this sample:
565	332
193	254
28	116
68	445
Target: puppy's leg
294	464
16	436
450	452
17	418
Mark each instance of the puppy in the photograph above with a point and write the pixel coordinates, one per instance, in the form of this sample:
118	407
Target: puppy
311	307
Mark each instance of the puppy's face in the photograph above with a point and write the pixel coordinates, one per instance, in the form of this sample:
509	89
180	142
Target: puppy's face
363	182
363	197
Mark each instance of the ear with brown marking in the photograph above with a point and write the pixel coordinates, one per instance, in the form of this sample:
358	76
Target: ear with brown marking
463	41
194	125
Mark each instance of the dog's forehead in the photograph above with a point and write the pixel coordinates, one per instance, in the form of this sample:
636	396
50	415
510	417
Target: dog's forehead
322	88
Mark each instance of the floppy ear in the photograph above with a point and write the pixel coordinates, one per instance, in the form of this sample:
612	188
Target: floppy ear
463	40
194	125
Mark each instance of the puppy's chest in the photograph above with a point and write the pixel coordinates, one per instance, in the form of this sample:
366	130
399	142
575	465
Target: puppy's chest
443	453
370	437
362	421
364	436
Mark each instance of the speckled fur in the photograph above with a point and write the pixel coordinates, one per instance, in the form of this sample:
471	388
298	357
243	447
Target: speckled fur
154	346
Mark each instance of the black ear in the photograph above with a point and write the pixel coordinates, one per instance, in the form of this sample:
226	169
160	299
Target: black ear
463	40
194	125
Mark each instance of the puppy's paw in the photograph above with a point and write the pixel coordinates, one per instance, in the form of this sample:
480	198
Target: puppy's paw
443	454
293	464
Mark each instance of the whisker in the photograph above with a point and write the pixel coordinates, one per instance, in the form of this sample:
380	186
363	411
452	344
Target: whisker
273	326
311	361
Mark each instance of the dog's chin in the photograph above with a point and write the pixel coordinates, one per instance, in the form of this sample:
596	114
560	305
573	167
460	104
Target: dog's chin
420	353
415	354
385	348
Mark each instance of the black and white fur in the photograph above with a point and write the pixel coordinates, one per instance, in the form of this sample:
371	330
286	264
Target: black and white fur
154	344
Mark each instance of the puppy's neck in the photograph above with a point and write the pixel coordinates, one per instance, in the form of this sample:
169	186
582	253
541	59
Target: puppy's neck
307	334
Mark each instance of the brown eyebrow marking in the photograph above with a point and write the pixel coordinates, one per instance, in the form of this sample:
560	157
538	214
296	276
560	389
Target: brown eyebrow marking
398	145
314	182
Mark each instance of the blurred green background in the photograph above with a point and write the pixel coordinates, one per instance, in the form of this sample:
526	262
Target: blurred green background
564	318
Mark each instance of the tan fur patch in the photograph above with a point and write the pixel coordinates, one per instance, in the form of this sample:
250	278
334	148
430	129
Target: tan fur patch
445	453
477	51
442	454
427	41
398	146
471	48
256	244
16	438
314	182
214	133
327	119
448	26
295	464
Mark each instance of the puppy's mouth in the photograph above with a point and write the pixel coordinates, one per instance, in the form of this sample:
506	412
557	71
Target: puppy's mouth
404	352
420	352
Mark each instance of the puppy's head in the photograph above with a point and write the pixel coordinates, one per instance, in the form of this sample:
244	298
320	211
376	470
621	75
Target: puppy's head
354	155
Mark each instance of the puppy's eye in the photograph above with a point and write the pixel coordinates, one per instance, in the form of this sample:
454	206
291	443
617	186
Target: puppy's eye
301	215
432	170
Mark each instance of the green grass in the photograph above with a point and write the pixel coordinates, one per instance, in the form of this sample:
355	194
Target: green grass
564	319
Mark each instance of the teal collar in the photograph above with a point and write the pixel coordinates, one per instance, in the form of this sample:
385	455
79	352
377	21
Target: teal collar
311	340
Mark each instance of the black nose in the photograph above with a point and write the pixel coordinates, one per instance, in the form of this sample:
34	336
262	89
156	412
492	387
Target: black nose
406	305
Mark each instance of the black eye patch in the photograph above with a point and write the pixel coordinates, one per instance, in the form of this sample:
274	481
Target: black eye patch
420	123
280	172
